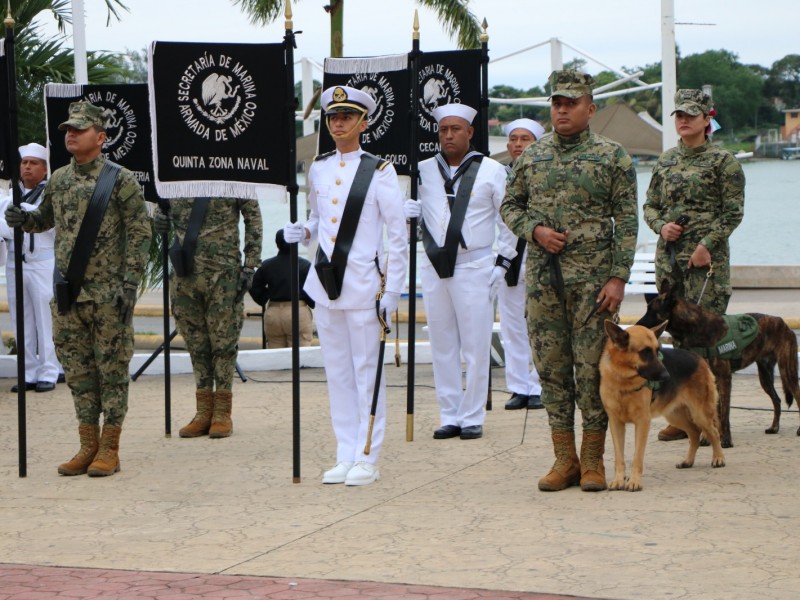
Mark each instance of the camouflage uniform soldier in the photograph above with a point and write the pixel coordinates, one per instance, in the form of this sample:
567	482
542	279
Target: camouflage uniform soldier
208	303
706	184
94	338
573	197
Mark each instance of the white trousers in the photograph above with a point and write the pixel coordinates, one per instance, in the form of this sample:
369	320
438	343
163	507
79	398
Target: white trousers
349	340
521	374
41	363
460	316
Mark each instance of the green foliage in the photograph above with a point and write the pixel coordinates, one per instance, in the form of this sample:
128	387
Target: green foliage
737	90
41	59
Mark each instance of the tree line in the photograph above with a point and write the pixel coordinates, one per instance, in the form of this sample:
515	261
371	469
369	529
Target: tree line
747	98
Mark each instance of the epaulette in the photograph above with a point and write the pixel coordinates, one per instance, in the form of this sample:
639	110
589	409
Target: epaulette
324	156
383	165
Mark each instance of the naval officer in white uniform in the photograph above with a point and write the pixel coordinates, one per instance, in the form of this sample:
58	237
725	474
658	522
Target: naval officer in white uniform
347	324
460	276
42	368
522	379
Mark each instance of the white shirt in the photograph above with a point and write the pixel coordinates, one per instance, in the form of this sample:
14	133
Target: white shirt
329	182
43	246
483	210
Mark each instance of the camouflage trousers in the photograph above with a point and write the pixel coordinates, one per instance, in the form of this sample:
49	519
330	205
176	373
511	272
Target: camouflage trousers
95	349
567	354
690	284
210	321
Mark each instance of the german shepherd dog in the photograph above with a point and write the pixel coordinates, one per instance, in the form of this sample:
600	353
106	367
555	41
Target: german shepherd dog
685	394
692	325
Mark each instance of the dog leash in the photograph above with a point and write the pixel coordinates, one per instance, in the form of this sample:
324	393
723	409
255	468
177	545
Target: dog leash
705	283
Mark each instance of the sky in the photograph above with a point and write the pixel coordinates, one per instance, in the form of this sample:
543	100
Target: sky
615	33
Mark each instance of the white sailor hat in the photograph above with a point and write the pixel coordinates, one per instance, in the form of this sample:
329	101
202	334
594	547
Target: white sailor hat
342	98
534	127
454	110
33	150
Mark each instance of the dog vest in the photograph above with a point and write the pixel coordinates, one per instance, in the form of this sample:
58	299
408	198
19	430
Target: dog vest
742	330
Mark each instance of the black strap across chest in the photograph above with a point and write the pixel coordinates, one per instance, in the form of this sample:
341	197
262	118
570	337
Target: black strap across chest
443	258
196	218
90	226
349	223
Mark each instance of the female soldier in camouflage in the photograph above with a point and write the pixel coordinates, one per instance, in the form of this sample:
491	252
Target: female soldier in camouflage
704	184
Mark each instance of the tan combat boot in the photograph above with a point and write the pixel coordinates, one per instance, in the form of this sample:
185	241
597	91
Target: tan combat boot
593	472
89	435
221	424
566	471
201	422
107	460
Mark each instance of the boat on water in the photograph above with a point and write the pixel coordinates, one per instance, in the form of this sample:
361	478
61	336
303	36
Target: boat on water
790	153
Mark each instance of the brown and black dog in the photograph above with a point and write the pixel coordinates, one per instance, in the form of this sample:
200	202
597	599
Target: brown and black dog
638	381
691	325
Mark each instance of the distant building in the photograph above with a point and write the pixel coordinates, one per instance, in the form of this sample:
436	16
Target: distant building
791	127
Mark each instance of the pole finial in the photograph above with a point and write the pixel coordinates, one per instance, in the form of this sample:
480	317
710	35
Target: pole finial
484	35
288	25
415	34
9	20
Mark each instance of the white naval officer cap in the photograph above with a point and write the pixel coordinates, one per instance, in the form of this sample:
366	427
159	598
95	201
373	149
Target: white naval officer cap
534	127
33	150
454	110
343	98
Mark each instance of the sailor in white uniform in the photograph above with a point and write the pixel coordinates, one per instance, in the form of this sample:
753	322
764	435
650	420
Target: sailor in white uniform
522	380
346	313
42	368
460	276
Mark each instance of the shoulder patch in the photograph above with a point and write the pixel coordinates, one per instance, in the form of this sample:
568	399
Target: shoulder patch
324	156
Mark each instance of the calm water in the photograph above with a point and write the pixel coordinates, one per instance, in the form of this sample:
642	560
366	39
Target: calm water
768	234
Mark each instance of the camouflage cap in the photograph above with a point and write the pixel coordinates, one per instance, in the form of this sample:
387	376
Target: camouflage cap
692	102
570	83
83	115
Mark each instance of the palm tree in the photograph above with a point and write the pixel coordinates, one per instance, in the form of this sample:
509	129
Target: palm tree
454	15
41	59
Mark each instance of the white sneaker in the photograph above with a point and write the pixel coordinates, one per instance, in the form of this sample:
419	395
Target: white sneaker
362	473
338	473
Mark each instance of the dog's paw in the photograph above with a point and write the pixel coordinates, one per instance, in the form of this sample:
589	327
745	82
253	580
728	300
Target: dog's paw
616	484
633	485
772	430
718	462
704	441
684	464
726	443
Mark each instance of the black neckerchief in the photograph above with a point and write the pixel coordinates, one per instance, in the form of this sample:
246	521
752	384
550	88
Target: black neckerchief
449	183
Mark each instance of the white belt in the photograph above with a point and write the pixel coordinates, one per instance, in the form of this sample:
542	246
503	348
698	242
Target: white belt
472	255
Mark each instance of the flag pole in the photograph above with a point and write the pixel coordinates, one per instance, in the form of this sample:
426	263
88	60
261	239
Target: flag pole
485	88
485	145
412	256
289	44
13	143
167	335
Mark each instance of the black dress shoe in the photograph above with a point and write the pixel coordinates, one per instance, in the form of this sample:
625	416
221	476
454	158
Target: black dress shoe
28	387
517	401
473	432
61	378
535	402
45	386
446	432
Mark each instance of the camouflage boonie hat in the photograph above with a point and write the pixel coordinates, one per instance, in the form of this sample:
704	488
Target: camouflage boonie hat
570	83
83	115
692	102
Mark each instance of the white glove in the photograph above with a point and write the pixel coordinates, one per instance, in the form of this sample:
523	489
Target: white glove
412	209
389	303
294	232
496	279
